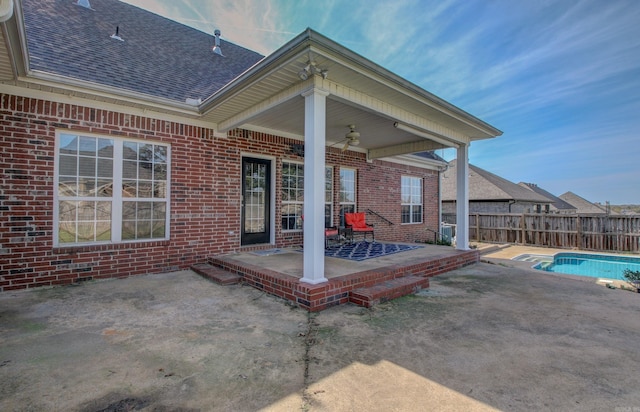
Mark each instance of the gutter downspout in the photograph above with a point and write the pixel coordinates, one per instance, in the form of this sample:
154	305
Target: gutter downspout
441	171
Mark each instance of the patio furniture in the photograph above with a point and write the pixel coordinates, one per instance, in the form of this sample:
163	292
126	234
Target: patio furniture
346	234
331	235
357	223
334	236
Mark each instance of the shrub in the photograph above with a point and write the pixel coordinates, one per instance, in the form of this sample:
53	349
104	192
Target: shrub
633	277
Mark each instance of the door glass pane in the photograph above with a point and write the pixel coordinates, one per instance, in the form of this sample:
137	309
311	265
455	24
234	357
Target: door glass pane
254	198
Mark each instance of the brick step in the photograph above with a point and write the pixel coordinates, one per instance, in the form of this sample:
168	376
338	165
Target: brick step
216	274
387	290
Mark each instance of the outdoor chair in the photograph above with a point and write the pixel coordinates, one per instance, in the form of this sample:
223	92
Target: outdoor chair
331	235
337	236
357	223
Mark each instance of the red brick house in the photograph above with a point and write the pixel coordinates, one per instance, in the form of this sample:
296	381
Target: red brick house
132	144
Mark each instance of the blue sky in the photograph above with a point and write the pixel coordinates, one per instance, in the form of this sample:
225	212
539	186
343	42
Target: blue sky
560	78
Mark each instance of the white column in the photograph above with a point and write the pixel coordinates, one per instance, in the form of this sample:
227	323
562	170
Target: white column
314	164
462	198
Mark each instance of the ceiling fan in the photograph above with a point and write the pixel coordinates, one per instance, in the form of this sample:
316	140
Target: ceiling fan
352	138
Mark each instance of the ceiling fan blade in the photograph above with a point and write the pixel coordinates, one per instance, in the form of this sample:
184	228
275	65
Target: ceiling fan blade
346	145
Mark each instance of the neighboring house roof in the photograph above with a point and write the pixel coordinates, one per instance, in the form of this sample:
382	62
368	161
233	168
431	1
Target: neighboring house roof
582	204
486	186
557	202
158	57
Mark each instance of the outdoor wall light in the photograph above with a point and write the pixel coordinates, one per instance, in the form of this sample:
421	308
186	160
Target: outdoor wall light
304	73
310	69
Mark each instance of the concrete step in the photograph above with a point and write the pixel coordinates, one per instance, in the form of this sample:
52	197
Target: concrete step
216	274
387	290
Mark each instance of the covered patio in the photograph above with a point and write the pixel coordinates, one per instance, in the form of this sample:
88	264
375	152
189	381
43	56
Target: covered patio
366	282
313	90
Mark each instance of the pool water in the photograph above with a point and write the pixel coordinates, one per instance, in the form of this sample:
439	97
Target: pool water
591	265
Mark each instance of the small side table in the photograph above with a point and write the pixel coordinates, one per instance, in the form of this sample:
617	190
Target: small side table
347	234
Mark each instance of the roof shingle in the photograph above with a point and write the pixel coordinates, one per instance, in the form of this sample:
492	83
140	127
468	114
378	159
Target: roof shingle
158	57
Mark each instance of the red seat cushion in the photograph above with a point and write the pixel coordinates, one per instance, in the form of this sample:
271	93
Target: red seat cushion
356	220
363	229
330	232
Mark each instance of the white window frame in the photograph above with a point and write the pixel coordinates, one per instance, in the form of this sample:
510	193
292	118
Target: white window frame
411	199
284	202
116	198
328	192
355	191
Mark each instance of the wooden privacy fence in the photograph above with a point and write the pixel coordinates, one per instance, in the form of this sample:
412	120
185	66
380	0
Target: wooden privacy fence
588	232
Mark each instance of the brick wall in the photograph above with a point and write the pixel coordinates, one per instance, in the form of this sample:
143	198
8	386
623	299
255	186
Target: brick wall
379	190
205	194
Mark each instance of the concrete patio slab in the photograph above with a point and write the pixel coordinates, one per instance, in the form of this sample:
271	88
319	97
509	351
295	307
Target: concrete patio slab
484	337
280	273
289	260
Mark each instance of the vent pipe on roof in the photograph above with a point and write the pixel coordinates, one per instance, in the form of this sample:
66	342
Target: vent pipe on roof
216	49
84	3
116	35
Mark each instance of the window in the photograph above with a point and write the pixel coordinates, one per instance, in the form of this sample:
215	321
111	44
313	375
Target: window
292	195
110	190
347	193
411	199
328	197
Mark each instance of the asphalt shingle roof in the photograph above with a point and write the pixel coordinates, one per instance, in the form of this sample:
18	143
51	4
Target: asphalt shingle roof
582	204
484	185
557	202
158	57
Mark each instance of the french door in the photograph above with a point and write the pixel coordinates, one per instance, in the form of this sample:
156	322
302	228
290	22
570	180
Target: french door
256	195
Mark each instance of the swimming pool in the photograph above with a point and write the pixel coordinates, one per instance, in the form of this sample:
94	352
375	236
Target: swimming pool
590	265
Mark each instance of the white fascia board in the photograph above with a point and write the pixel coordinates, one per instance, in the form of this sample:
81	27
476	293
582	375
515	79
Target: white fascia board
96	104
416	161
74	86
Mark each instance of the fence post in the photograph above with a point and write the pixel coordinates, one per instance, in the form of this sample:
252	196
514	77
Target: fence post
578	233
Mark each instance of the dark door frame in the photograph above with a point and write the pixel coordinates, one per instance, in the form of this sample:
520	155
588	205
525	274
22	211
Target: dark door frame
261	233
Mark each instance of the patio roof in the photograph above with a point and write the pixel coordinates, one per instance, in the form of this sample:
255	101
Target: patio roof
268	97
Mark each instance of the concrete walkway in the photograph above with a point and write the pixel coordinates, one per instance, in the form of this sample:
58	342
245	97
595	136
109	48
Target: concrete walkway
485	337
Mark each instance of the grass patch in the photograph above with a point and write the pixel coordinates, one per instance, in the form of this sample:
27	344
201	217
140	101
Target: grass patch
32	327
406	311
